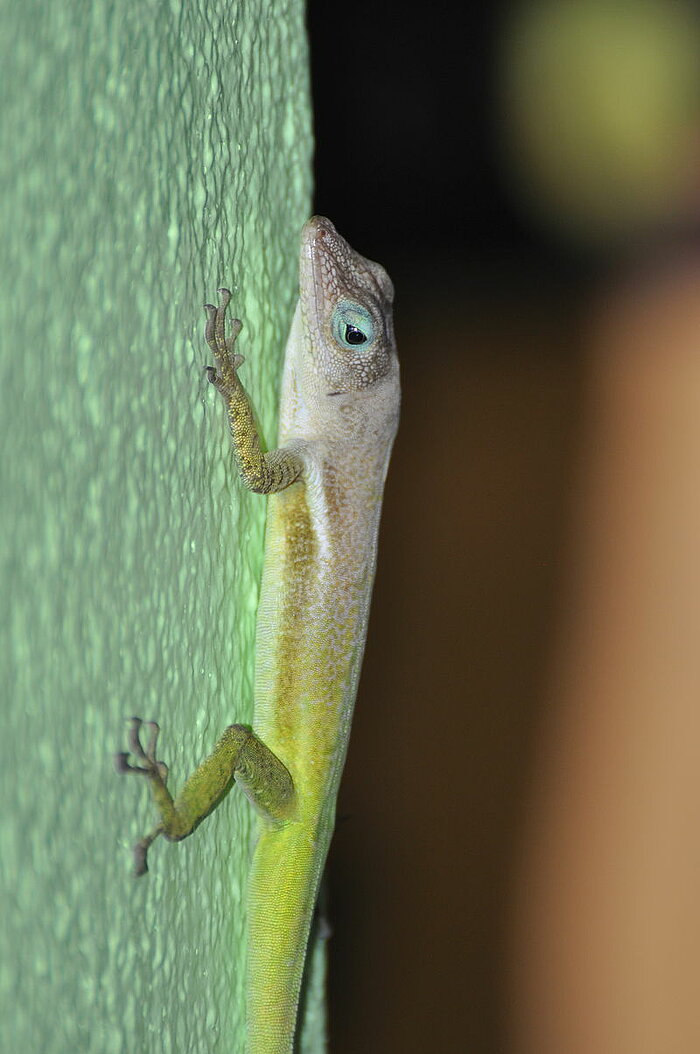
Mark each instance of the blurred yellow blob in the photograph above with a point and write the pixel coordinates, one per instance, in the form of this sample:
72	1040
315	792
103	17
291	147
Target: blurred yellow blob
600	113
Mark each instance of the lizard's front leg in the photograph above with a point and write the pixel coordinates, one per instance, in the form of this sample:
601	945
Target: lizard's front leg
263	472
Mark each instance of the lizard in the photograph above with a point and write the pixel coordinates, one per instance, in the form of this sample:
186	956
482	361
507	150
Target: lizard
339	411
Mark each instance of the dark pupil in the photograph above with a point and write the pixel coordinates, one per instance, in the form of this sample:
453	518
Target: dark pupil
353	335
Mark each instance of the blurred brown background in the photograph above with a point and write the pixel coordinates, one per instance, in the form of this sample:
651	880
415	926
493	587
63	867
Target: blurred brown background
434	790
515	167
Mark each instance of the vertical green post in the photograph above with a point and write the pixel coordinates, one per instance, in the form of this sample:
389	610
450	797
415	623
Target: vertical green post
151	151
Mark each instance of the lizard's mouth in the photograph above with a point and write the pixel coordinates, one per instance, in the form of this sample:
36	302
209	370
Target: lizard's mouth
323	255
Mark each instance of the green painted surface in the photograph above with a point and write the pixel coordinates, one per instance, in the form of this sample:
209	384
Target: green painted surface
150	152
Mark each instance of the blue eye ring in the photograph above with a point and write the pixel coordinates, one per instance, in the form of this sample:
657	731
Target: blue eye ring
352	326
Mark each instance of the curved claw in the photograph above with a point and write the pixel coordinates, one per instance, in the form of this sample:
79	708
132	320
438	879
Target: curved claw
145	754
122	764
223	374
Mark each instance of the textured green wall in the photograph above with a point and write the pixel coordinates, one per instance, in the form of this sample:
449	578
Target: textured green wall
150	151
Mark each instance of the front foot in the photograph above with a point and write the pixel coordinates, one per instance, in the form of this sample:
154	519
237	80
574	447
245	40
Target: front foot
223	375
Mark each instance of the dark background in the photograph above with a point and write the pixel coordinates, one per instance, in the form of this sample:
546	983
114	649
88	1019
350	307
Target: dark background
487	309
407	141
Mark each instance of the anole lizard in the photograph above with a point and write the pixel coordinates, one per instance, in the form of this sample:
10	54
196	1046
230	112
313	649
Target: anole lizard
338	416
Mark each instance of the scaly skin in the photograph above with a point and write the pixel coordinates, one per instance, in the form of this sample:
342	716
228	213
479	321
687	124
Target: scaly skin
338	417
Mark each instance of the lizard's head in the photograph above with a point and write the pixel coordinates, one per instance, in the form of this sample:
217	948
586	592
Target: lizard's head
346	306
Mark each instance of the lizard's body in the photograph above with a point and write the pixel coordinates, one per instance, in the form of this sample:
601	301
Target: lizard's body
338	417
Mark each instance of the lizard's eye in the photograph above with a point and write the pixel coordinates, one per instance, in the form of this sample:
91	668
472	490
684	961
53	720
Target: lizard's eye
353	335
352	325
